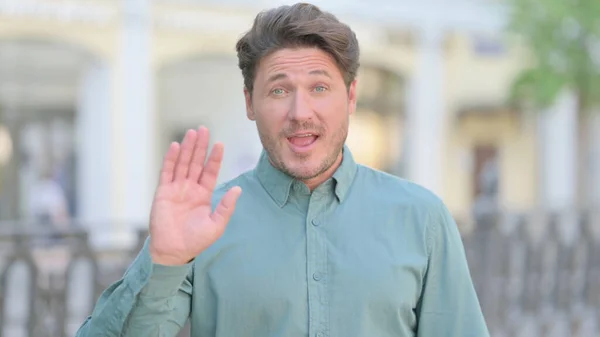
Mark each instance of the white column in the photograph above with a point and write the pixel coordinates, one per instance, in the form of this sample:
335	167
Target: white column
425	113
558	154
594	133
136	124
93	146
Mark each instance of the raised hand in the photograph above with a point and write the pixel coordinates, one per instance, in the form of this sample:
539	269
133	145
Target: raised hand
182	223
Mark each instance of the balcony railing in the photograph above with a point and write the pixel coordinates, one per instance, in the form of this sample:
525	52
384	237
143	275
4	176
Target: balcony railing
536	275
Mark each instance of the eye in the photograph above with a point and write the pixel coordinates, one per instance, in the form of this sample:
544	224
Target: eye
320	88
278	92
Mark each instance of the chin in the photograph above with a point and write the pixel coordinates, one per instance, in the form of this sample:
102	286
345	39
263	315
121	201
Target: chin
303	170
302	165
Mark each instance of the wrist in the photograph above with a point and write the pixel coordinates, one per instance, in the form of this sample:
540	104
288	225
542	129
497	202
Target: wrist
168	260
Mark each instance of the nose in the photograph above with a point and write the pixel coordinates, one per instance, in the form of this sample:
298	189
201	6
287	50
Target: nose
301	107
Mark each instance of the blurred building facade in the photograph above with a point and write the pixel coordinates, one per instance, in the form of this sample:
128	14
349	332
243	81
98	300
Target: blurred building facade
92	92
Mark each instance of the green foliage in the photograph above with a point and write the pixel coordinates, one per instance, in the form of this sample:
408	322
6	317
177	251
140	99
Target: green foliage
564	39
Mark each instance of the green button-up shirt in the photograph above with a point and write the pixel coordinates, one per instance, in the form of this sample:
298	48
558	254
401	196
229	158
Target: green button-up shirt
366	254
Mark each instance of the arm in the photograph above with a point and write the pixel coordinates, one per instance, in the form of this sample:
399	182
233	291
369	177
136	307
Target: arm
150	300
154	296
449	305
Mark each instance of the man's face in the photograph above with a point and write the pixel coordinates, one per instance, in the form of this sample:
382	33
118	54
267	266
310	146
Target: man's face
301	106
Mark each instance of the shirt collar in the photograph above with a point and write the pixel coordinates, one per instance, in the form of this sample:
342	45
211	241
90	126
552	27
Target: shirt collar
278	184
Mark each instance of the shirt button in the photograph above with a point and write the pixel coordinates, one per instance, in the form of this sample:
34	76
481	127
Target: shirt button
320	334
317	276
315	222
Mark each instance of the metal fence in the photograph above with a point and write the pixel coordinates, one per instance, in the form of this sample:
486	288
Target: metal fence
536	275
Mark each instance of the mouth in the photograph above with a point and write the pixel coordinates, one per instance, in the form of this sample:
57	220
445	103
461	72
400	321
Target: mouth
303	141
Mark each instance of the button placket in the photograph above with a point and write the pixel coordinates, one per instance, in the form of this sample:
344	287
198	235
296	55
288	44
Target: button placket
317	266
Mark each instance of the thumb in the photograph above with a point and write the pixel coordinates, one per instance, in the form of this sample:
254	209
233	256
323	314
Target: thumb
225	208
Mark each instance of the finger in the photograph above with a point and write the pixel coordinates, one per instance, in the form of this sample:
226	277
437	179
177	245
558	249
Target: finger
208	178
199	154
225	208
185	155
168	168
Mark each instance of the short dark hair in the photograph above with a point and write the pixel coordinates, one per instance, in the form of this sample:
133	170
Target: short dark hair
299	25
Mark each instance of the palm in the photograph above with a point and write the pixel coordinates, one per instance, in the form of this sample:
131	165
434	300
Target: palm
182	222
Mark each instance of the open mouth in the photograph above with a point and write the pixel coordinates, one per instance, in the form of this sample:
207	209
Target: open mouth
304	141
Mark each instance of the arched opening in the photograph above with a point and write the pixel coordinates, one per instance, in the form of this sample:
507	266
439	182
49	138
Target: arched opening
40	103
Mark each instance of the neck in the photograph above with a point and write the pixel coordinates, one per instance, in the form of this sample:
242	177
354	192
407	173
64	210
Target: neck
314	182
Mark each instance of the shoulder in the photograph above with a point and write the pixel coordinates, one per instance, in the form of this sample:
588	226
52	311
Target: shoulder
411	206
392	190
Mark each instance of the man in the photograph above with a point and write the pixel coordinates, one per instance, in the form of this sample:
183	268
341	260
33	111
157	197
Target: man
317	245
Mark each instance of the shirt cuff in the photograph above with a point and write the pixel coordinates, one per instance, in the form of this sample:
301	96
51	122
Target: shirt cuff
155	280
165	281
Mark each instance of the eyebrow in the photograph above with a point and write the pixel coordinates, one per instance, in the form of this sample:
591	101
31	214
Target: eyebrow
320	72
280	76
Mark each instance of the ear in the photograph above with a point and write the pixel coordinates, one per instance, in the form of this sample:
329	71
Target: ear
352	97
249	108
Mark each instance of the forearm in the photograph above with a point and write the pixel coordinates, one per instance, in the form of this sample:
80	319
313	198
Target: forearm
150	300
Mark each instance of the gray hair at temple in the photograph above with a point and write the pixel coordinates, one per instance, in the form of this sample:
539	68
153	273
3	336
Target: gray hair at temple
299	25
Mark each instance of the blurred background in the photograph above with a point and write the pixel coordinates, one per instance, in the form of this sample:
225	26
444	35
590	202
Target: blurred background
493	105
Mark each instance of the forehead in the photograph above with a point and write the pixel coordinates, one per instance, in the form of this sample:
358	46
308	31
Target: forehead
298	60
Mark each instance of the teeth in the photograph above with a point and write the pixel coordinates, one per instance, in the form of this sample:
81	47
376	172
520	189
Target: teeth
306	135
